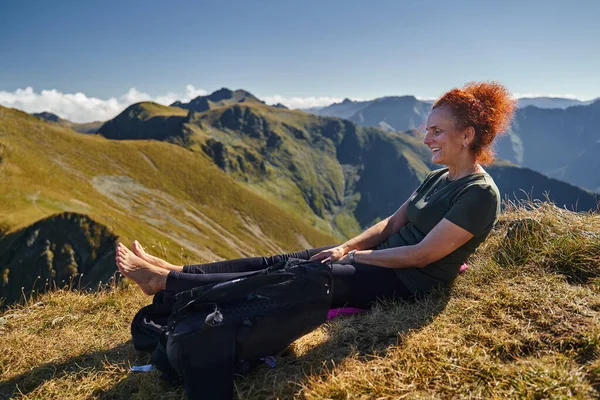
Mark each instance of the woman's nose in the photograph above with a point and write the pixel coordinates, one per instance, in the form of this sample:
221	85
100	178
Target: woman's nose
427	139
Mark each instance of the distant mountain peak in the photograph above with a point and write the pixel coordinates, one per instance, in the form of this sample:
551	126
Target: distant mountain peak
398	99
87	127
217	98
552	102
347	101
221	94
48	116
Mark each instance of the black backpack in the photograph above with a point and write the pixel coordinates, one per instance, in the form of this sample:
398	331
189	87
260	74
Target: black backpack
214	329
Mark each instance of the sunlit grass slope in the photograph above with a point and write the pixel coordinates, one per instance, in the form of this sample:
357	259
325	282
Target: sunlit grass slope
522	322
162	194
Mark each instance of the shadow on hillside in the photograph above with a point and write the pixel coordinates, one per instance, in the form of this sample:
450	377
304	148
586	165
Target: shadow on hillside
98	362
365	335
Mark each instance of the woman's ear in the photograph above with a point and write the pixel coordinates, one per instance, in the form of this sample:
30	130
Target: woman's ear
469	135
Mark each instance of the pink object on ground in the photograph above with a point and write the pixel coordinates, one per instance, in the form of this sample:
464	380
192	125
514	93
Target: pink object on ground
463	268
336	312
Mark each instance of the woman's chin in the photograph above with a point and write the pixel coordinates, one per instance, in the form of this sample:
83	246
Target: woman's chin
436	160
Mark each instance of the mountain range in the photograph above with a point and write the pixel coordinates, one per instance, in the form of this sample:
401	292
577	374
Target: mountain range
221	176
323	166
558	142
552	102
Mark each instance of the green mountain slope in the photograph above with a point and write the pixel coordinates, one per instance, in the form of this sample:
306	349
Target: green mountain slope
312	165
162	194
66	249
145	120
339	176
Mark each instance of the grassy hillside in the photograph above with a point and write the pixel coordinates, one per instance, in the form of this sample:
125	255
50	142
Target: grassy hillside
162	194
522	322
317	167
145	120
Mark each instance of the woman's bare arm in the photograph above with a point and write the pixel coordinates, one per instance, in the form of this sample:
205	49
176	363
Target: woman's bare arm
379	232
369	238
442	240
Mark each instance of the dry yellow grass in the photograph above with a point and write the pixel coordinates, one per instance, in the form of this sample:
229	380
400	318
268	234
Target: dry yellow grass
523	322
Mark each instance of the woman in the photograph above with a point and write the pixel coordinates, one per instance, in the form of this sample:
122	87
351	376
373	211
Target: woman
420	247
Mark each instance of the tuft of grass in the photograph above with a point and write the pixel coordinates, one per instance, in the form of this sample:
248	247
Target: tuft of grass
524	328
559	241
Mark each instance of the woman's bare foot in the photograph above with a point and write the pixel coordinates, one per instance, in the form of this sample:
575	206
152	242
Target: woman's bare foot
149	278
158	262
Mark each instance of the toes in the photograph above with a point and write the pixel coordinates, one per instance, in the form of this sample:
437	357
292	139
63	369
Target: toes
120	268
137	247
121	261
140	248
126	250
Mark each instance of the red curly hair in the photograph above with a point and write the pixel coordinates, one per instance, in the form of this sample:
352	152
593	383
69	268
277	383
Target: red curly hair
486	106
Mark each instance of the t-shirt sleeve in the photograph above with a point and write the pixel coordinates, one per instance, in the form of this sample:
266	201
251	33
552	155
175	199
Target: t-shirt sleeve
475	209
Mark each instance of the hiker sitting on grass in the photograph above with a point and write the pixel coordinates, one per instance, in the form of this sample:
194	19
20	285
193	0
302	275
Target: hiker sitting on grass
418	248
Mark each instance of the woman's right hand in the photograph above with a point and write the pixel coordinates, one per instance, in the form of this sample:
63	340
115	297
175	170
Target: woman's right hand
329	255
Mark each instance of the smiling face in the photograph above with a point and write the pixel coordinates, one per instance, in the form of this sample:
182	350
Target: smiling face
444	140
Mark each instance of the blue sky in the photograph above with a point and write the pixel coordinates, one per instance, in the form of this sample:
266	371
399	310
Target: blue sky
304	49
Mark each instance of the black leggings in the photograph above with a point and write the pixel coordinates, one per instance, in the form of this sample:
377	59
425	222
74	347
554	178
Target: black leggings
354	285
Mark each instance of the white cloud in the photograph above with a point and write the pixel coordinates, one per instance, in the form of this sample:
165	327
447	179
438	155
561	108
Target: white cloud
555	95
192	92
78	107
301	102
426	99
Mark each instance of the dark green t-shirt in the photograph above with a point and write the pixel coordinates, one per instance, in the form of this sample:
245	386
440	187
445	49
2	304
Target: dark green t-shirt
471	202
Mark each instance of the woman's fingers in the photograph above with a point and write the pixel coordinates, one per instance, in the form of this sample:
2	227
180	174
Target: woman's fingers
320	256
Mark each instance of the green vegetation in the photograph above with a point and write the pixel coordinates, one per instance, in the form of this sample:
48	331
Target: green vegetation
312	166
156	192
522	322
145	120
